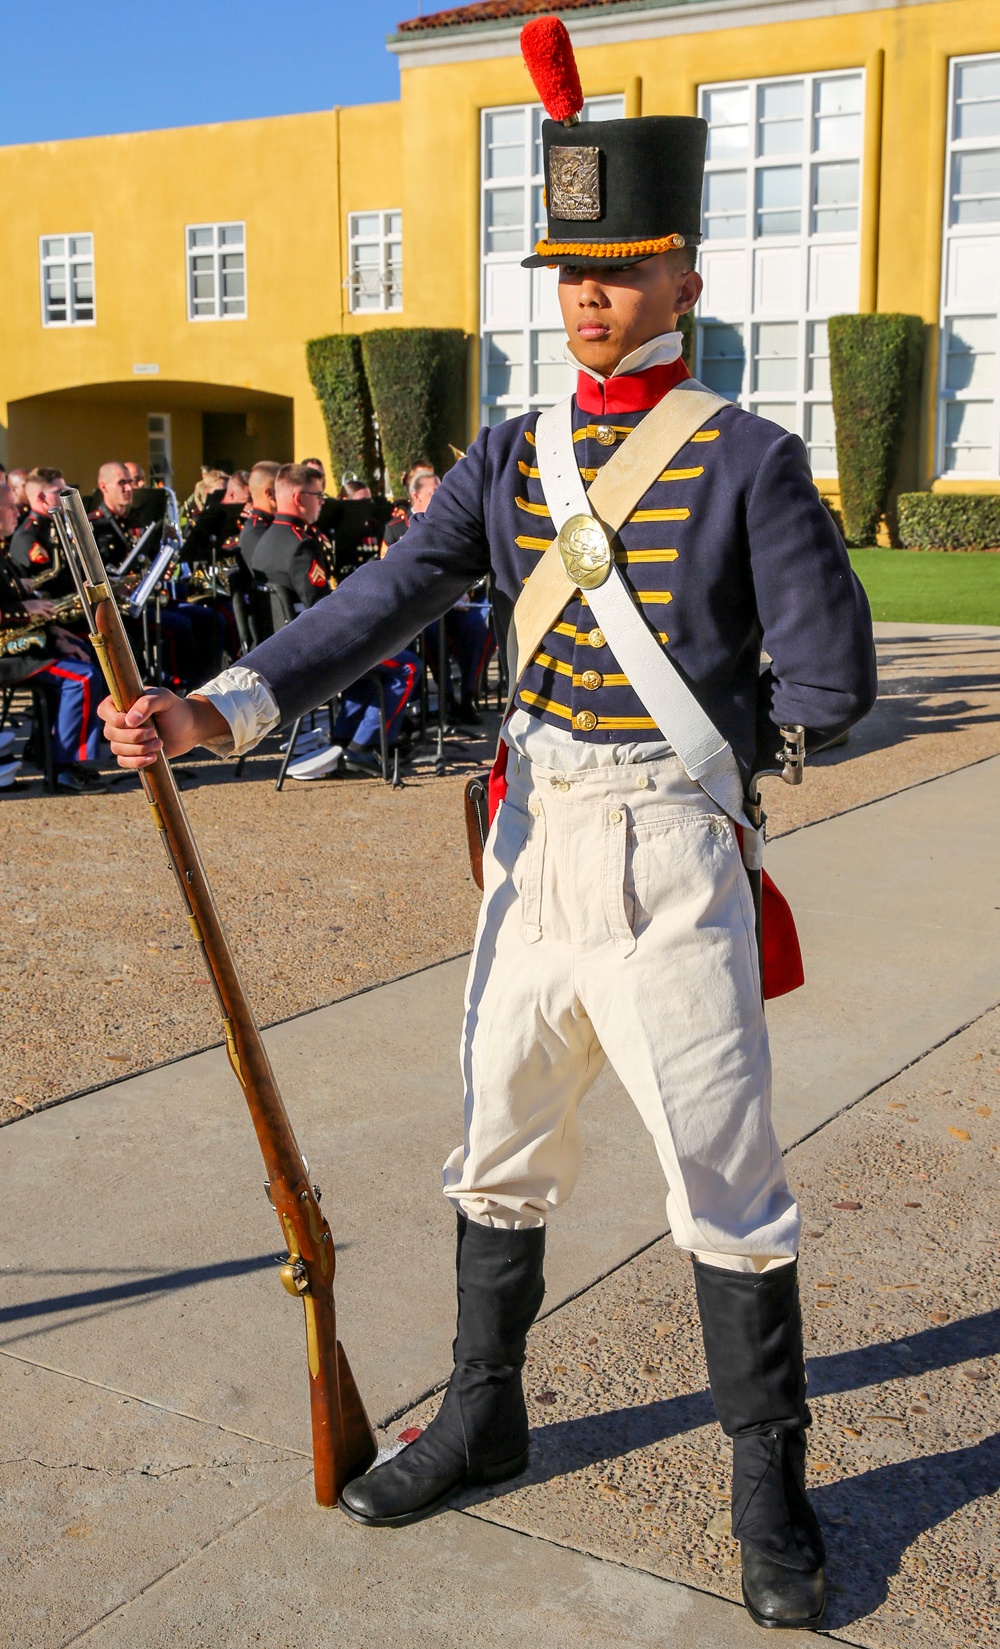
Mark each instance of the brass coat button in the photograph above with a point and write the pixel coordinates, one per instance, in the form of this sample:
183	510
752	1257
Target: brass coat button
592	679
605	434
596	639
585	720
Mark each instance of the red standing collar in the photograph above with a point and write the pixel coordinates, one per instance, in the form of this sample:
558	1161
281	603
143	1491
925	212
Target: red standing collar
632	392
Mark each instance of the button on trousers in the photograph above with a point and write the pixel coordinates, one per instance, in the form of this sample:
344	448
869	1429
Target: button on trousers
617	924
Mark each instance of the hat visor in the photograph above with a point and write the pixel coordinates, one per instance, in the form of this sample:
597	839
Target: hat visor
545	261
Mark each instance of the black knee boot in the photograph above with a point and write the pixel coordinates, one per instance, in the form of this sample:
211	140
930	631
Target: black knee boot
752	1327
480	1433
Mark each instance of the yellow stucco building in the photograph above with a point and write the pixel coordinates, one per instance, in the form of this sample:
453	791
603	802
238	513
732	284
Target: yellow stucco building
159	287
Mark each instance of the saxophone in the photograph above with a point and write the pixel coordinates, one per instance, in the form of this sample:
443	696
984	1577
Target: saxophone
21	638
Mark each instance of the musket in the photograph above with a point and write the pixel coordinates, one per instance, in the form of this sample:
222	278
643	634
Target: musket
343	1440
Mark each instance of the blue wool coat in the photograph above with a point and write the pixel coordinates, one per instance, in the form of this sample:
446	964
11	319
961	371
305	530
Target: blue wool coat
730	550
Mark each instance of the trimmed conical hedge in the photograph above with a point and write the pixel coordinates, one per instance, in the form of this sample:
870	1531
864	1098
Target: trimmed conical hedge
337	374
417	377
875	363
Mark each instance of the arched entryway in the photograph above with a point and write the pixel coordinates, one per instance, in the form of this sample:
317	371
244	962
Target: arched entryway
158	422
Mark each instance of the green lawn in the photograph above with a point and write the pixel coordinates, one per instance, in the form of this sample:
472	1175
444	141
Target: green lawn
931	586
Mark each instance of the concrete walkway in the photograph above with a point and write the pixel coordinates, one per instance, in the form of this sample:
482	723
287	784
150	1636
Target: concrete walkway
153	1427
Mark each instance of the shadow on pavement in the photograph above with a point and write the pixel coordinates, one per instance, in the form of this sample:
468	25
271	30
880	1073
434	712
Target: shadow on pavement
158	1282
882	1511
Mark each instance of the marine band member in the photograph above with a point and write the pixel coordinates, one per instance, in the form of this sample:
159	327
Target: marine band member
616	920
289	553
34	550
72	679
115	538
261	512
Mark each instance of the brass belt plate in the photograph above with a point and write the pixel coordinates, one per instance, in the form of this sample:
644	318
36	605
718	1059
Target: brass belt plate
585	551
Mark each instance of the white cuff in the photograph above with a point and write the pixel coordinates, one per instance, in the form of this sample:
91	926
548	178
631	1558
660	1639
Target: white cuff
247	703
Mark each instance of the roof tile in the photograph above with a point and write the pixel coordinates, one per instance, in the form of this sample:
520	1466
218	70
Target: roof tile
495	11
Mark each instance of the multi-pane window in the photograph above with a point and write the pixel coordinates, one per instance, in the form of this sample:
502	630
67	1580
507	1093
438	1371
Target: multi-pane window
376	261
160	447
523	336
780	255
67	279
968	383
216	271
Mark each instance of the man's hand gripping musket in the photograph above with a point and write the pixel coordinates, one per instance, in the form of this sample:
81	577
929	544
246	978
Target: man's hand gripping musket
343	1441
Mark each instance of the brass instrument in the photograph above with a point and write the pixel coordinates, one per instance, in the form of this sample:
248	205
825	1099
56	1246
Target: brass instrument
32	632
208	580
22	637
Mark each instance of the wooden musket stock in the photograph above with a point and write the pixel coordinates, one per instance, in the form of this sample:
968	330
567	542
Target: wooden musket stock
343	1440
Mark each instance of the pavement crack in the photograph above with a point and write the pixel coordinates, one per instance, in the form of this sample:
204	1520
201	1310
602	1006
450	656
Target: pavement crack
161	1408
151	1469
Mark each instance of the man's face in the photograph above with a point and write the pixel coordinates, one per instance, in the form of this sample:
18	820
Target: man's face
116	491
43	496
15	481
424	489
308	501
135	475
237	491
609	312
8	511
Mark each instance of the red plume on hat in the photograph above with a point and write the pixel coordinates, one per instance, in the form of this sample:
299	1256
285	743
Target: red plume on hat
548	55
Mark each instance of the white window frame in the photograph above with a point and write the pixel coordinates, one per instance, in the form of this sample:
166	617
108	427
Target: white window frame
68	260
809	319
217	251
956	239
536	336
388	239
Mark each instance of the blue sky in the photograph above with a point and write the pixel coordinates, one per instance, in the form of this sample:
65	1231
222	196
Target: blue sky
112	66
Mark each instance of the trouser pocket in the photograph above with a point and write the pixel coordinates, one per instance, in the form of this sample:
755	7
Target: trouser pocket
617	832
531	879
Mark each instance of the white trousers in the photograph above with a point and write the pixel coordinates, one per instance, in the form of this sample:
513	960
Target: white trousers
617	923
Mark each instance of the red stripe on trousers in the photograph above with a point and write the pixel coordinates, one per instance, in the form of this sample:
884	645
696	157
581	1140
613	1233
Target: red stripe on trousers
71	675
411	676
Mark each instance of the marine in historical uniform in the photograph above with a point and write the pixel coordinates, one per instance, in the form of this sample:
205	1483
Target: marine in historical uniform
616	920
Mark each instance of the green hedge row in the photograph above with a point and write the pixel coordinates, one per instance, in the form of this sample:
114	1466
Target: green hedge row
949	521
390	397
875	363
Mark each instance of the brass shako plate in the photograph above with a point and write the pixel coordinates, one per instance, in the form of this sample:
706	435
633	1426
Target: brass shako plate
585	551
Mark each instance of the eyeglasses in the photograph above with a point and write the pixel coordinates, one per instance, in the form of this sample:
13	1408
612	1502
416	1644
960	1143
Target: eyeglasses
312	495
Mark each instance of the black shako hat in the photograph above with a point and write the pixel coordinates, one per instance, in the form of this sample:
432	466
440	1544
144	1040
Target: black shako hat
616	191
